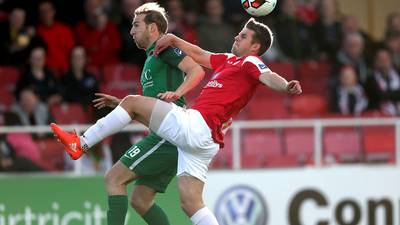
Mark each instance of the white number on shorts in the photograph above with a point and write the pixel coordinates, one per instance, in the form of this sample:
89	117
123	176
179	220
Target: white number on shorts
133	152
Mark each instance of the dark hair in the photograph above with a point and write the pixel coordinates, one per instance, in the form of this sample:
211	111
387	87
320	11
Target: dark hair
154	13
262	35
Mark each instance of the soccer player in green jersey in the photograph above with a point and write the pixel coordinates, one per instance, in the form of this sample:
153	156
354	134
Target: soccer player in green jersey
152	161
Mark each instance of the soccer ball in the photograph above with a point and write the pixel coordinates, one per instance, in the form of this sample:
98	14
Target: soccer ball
259	7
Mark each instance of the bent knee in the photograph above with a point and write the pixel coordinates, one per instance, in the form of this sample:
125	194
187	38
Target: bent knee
140	204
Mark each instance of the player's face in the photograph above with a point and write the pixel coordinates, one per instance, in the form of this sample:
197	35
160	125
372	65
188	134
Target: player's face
140	32
242	45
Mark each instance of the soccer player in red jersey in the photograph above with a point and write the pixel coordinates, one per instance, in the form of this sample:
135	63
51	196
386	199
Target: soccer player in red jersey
197	132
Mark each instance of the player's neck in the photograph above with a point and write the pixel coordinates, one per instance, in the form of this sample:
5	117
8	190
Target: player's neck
152	40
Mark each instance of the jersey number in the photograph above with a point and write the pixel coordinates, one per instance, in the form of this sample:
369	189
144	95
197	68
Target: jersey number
133	152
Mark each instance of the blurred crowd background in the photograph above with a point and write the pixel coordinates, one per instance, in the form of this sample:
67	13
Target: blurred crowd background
54	55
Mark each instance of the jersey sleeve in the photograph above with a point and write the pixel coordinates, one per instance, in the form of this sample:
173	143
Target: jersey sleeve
172	56
254	66
217	60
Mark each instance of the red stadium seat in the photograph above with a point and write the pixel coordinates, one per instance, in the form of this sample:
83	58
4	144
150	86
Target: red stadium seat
313	69
379	143
299	142
259	146
343	143
6	98
309	105
116	91
71	113
284	69
52	154
123	76
267	108
8	77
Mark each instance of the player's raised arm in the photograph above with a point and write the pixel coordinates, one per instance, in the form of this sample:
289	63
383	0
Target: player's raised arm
194	74
276	82
198	54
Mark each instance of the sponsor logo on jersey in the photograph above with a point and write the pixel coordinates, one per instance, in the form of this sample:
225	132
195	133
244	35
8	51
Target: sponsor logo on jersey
241	205
214	84
262	66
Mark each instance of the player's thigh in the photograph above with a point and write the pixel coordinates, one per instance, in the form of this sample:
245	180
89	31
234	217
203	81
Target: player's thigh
119	174
154	161
140	107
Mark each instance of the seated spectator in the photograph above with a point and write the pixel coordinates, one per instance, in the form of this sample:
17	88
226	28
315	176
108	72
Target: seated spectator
98	35
307	11
30	109
393	24
352	54
58	37
214	33
18	152
292	36
348	98
16	39
178	23
384	85
392	42
78	84
327	29
130	53
40	78
349	25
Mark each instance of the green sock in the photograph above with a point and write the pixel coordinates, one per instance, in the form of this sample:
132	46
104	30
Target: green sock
156	216
117	208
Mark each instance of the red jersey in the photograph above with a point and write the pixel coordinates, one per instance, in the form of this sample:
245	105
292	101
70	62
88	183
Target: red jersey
231	87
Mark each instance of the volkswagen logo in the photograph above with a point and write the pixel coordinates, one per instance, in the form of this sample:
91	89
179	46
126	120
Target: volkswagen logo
241	205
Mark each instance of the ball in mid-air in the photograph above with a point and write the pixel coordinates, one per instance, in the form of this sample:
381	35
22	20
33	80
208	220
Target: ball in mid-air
259	7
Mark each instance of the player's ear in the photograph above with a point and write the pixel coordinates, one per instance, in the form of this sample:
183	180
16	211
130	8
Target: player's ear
153	27
255	47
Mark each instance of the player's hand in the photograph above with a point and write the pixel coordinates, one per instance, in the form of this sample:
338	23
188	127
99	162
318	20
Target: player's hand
294	87
164	42
169	96
105	100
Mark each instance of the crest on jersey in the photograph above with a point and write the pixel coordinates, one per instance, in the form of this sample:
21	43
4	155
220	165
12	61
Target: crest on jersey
178	51
241	205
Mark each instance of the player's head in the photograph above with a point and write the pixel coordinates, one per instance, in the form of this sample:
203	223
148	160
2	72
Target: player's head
149	23
254	39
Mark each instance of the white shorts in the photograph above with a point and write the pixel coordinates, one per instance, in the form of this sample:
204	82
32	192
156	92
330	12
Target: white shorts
187	129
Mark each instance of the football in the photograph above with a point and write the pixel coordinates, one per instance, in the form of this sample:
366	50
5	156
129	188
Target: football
259	7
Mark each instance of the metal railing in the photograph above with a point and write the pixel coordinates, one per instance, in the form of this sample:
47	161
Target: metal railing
237	127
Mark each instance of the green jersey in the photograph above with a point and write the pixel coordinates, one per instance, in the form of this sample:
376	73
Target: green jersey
161	73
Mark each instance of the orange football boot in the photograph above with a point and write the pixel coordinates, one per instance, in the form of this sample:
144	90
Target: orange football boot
71	141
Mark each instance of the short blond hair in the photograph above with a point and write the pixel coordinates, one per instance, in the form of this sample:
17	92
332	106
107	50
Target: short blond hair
154	13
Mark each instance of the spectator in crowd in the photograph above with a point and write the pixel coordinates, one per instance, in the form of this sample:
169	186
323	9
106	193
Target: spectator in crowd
30	109
130	53
392	42
307	11
348	98
349	25
352	54
16	39
78	84
178	23
327	29
98	35
393	24
40	78
214	33
384	85
18	152
58	37
292	36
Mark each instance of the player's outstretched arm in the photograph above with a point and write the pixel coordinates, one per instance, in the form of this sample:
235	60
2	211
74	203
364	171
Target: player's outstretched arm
278	83
194	74
104	100
198	54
